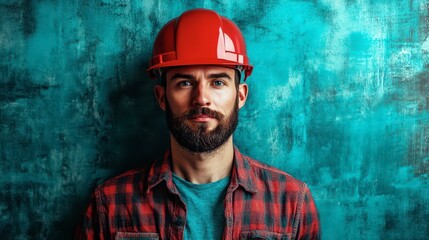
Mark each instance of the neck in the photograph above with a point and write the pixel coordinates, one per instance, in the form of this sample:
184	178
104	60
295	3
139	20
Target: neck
202	167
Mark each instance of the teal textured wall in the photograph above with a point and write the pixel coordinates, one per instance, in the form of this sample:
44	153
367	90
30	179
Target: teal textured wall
339	98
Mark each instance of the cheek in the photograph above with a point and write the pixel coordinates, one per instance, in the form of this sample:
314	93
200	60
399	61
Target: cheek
225	99
177	99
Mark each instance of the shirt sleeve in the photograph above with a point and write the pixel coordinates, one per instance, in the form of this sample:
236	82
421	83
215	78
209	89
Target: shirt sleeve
93	221
308	225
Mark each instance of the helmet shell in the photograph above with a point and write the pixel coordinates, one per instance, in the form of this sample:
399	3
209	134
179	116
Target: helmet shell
200	37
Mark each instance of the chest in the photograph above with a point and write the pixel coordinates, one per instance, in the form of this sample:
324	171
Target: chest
246	216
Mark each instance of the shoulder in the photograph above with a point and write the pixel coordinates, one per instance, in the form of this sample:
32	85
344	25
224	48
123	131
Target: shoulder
267	173
130	180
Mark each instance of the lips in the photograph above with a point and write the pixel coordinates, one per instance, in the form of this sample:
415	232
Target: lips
201	118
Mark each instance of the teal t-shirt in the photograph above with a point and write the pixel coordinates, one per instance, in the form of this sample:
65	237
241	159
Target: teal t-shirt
205	208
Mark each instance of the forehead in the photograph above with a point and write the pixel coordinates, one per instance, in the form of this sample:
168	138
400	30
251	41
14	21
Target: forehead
196	71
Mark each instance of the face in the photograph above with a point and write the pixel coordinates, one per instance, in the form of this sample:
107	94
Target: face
201	104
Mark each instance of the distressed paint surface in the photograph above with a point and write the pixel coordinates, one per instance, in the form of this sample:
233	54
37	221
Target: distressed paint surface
339	98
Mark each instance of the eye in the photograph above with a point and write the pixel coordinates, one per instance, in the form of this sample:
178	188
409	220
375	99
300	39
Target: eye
218	83
184	84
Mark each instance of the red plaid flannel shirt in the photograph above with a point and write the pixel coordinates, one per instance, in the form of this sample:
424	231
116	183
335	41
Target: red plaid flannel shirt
261	203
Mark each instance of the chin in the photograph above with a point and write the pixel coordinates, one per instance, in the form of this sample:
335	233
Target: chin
202	126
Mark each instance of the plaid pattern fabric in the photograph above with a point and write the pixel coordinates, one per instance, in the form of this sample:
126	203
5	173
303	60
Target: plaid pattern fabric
261	203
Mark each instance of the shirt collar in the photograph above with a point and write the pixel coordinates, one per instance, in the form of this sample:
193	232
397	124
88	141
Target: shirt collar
242	173
161	172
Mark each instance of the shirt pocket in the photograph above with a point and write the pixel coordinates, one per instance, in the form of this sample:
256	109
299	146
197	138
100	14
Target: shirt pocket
136	236
263	235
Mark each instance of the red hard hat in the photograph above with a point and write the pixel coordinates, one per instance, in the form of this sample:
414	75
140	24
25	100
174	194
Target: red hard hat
200	37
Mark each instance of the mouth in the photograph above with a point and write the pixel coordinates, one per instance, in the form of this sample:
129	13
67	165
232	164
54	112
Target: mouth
201	118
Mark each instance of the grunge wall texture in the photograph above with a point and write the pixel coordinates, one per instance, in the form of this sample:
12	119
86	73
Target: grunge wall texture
339	98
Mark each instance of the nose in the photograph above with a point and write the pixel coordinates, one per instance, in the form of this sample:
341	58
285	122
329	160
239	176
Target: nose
201	95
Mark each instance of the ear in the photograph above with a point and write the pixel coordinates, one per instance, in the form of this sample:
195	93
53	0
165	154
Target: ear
160	95
242	94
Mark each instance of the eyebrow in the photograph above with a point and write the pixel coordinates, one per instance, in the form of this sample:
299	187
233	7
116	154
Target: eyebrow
220	75
189	76
181	75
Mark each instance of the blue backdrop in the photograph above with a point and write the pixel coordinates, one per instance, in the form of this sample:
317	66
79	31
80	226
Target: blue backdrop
339	98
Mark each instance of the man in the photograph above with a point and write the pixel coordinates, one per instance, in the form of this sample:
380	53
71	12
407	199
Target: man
203	188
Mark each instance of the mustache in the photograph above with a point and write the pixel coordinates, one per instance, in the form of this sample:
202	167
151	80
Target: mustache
205	111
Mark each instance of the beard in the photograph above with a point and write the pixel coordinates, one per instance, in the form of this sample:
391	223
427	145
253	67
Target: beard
201	139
